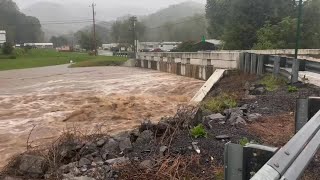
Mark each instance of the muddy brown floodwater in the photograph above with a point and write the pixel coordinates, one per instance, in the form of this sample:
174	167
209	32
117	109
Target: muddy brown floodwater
56	99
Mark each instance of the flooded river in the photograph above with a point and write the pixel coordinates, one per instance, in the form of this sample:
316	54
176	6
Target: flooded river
57	99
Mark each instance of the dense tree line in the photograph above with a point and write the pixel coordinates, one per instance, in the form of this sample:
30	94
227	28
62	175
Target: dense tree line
122	31
185	29
261	24
19	27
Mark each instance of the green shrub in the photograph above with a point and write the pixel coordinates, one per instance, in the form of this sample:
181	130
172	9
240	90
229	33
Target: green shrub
8	57
7	48
244	141
292	89
199	131
272	82
219	175
220	103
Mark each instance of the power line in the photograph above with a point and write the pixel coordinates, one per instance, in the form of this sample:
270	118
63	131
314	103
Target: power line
50	23
172	24
70	20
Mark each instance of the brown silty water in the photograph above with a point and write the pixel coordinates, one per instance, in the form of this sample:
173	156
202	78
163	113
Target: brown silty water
56	99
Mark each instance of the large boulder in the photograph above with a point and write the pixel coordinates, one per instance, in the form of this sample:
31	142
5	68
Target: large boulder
125	145
209	121
254	117
11	178
258	90
238	121
70	148
145	137
89	148
146	164
119	160
32	165
111	148
83	162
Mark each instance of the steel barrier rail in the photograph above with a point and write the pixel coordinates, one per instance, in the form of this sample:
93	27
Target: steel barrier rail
291	160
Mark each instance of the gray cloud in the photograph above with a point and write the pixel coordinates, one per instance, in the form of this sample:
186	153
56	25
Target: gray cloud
149	5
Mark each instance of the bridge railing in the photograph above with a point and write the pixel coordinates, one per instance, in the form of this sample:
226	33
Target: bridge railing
288	66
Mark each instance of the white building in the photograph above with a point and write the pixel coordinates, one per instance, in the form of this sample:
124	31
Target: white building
3	38
167	46
215	42
40	45
109	46
164	46
148	45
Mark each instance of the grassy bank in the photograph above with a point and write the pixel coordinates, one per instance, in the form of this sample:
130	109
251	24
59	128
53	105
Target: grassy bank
39	58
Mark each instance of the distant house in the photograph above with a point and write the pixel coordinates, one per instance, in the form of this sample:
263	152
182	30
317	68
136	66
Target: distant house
152	46
3	37
64	49
109	46
149	46
215	42
168	46
40	45
207	45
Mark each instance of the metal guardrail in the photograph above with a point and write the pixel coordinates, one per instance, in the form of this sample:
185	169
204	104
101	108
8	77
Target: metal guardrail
124	54
257	64
260	162
290	161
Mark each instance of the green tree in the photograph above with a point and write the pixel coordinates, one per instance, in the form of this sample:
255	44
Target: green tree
185	29
237	21
217	12
59	41
121	31
20	28
311	24
279	36
7	48
86	41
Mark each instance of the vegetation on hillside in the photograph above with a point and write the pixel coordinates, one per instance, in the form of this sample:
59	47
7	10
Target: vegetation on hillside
19	27
260	24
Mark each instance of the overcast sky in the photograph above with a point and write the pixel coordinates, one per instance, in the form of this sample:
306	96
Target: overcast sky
151	5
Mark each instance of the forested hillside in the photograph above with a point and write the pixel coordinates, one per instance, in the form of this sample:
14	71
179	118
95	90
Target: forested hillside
261	24
20	28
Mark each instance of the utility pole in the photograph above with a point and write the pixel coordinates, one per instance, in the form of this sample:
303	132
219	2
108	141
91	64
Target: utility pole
133	21
94	29
296	63
298	30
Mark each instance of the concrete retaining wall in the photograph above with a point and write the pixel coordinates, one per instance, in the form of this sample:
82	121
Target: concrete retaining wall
196	65
201	65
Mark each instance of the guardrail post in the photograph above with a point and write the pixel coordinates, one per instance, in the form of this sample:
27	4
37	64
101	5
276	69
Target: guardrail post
253	68
247	63
260	64
295	71
302	65
242	62
276	65
302	114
